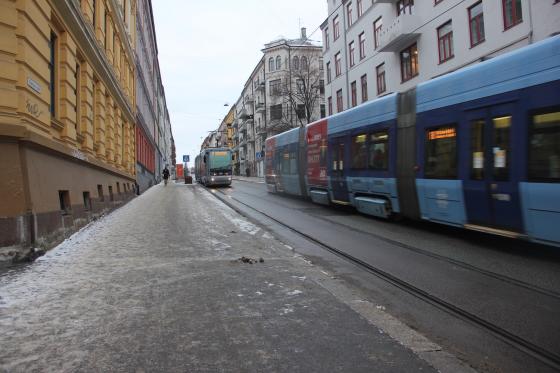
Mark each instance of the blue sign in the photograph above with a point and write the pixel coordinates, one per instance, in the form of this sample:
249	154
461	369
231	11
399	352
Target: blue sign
186	159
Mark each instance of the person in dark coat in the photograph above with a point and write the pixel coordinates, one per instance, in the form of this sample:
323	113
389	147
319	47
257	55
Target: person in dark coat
165	175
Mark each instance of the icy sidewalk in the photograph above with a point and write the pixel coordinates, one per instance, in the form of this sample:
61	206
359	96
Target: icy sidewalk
157	286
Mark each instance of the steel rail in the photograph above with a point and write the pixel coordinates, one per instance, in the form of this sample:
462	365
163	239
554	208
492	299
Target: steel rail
547	357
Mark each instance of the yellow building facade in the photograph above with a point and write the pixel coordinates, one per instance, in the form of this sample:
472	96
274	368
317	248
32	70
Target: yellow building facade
67	127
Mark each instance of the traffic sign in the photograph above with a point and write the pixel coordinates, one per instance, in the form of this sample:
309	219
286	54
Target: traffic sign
185	158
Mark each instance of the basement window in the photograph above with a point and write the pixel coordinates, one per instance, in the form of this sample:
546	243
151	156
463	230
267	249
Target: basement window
111	198
64	199
100	193
87	201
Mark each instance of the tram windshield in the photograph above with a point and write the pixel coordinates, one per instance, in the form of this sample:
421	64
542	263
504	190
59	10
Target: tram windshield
220	161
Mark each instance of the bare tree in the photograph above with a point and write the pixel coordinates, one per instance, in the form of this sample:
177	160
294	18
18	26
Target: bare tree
303	90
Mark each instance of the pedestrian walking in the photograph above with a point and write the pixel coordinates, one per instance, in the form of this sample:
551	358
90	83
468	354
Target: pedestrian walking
165	175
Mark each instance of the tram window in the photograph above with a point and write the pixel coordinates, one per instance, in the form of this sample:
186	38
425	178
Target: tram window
544	147
379	151
293	163
477	149
359	151
286	163
501	149
441	153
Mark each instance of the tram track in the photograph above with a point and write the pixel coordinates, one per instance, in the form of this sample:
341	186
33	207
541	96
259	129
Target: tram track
552	359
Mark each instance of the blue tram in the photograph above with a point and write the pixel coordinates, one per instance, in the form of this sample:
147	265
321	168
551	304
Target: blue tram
478	148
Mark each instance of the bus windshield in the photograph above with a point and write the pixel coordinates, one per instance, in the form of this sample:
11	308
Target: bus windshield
220	161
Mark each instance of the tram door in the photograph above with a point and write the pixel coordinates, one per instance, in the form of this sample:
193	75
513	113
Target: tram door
338	181
491	187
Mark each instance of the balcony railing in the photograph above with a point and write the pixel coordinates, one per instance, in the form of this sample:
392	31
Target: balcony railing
260	86
259	108
399	34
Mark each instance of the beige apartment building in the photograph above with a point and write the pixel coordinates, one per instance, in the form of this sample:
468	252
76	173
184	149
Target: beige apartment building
67	132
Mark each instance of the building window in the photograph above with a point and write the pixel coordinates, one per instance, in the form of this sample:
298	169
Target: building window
351	53
409	63
377	26
64	200
327	41
363	81
322	86
100	195
362	42
304	63
353	93
330	105
271	64
300	111
276	112
445	42
300	86
359	8
339	104
328	72
336	30
296	63
476	24
274	87
278	63
337	64
323	113
436	2
87	201
349	13
512	13
52	68
405	6
111	197
321	63
381	86
118	188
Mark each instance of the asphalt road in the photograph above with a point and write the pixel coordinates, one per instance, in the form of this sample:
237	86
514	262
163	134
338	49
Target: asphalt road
511	284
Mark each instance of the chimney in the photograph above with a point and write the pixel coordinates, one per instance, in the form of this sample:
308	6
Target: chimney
303	33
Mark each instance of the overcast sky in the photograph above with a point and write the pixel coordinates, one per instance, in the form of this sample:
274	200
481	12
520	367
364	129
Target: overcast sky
207	49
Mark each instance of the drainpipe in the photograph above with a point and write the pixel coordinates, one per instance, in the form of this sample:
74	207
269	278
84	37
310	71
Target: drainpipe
530	23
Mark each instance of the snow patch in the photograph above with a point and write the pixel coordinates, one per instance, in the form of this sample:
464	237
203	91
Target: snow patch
295	292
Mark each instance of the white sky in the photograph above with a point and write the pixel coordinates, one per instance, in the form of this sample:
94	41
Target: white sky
208	48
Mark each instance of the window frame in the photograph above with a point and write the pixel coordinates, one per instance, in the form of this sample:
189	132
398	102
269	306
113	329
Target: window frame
329	72
330	106
414	68
339	101
377	32
359	8
338	64
479	20
362	45
381	83
349	14
387	143
351	53
336	28
402	5
445	41
327	41
363	83
514	17
354	94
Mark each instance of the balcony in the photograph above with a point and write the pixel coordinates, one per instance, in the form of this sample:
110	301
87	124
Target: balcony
260	86
260	108
249	99
400	34
242	114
